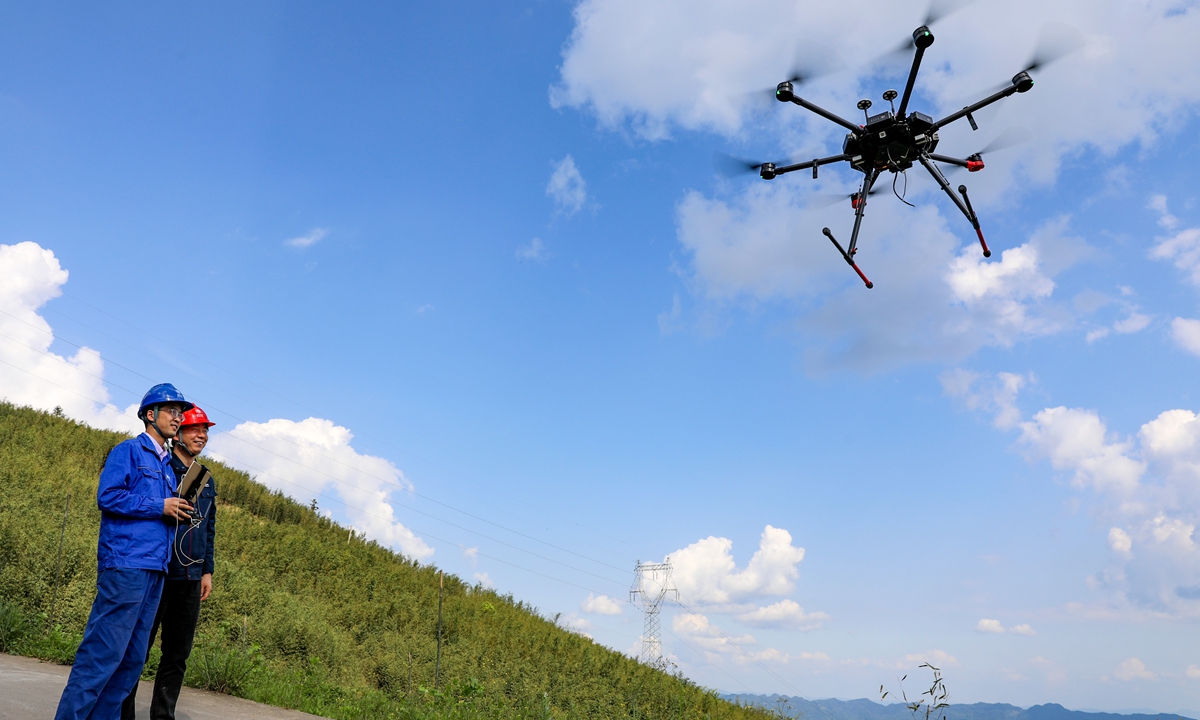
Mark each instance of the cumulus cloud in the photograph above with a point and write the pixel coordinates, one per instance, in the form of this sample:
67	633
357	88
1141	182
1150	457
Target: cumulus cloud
534	250
785	614
567	187
30	374
705	571
1078	440
1186	333
994	394
937	658
1133	669
1119	541
1181	248
600	605
1193	672
314	457
312	238
698	631
990	626
483	579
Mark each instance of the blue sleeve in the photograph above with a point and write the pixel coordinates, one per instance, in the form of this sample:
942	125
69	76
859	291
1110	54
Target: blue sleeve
210	528
113	495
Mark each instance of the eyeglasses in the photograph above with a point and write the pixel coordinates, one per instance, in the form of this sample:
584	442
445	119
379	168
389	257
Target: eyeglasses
172	411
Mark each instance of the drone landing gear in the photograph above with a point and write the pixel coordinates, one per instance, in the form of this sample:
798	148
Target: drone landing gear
848	256
964	205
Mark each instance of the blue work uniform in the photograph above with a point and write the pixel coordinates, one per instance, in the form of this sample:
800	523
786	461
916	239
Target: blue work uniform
132	559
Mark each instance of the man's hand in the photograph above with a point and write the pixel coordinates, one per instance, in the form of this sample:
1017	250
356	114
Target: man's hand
177	508
205	586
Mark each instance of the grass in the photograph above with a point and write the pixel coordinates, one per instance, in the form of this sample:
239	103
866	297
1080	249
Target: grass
300	617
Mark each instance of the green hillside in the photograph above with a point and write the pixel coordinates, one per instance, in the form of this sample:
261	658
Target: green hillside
302	618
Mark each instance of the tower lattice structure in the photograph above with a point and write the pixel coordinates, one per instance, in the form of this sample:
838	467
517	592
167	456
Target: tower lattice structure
651	586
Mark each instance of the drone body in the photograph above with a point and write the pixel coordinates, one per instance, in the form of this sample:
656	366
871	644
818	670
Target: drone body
893	141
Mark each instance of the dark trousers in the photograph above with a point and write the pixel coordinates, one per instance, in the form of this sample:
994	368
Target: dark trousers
177	616
113	651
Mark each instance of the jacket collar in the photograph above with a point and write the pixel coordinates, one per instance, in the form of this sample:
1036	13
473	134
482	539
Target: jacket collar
149	444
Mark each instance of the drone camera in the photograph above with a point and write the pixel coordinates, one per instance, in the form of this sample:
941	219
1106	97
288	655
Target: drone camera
922	38
1022	81
767	171
784	91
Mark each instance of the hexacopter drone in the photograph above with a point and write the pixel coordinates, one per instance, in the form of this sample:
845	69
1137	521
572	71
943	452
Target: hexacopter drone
892	141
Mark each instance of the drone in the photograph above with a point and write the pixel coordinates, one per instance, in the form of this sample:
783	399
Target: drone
892	141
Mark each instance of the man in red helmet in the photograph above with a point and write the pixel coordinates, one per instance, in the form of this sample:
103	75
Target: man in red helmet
189	576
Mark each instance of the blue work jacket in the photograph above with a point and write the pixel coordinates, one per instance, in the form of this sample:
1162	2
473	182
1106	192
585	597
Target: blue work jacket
192	555
133	485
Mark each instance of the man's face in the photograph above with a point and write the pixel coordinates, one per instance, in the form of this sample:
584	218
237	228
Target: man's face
166	418
193	437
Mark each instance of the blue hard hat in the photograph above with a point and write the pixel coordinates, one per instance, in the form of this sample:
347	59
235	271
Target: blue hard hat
160	395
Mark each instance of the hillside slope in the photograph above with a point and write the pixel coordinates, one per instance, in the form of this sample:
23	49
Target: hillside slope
303	618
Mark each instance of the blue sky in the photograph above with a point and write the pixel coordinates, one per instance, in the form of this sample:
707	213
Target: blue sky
466	275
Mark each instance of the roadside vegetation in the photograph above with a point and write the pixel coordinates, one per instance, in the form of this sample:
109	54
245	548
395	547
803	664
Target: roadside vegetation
302	614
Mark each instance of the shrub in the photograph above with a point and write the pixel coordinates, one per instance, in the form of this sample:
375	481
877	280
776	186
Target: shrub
12	625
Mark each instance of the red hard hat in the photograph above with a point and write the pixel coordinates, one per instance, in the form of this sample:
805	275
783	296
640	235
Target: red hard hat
196	416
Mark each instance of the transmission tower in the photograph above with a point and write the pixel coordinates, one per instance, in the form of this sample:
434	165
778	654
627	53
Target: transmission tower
651	586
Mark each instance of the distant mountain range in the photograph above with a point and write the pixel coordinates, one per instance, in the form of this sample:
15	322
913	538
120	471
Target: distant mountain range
864	709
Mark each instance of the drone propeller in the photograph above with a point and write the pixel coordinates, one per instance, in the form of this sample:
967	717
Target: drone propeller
731	166
937	10
1055	42
1008	138
820	200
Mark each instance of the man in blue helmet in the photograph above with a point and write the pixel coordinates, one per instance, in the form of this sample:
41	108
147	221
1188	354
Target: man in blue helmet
136	496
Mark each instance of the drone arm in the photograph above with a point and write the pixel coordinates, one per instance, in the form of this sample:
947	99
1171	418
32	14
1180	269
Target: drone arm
948	160
912	78
826	114
811	163
972	108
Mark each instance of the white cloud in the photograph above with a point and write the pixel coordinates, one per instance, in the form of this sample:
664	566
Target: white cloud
705	571
1078	440
30	374
989	626
1132	669
483	579
471	553
1182	248
1193	672
1186	334
312	238
699	632
785	614
1120	541
533	250
996	394
567	187
1148	487
1136	322
600	605
314	457
937	658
